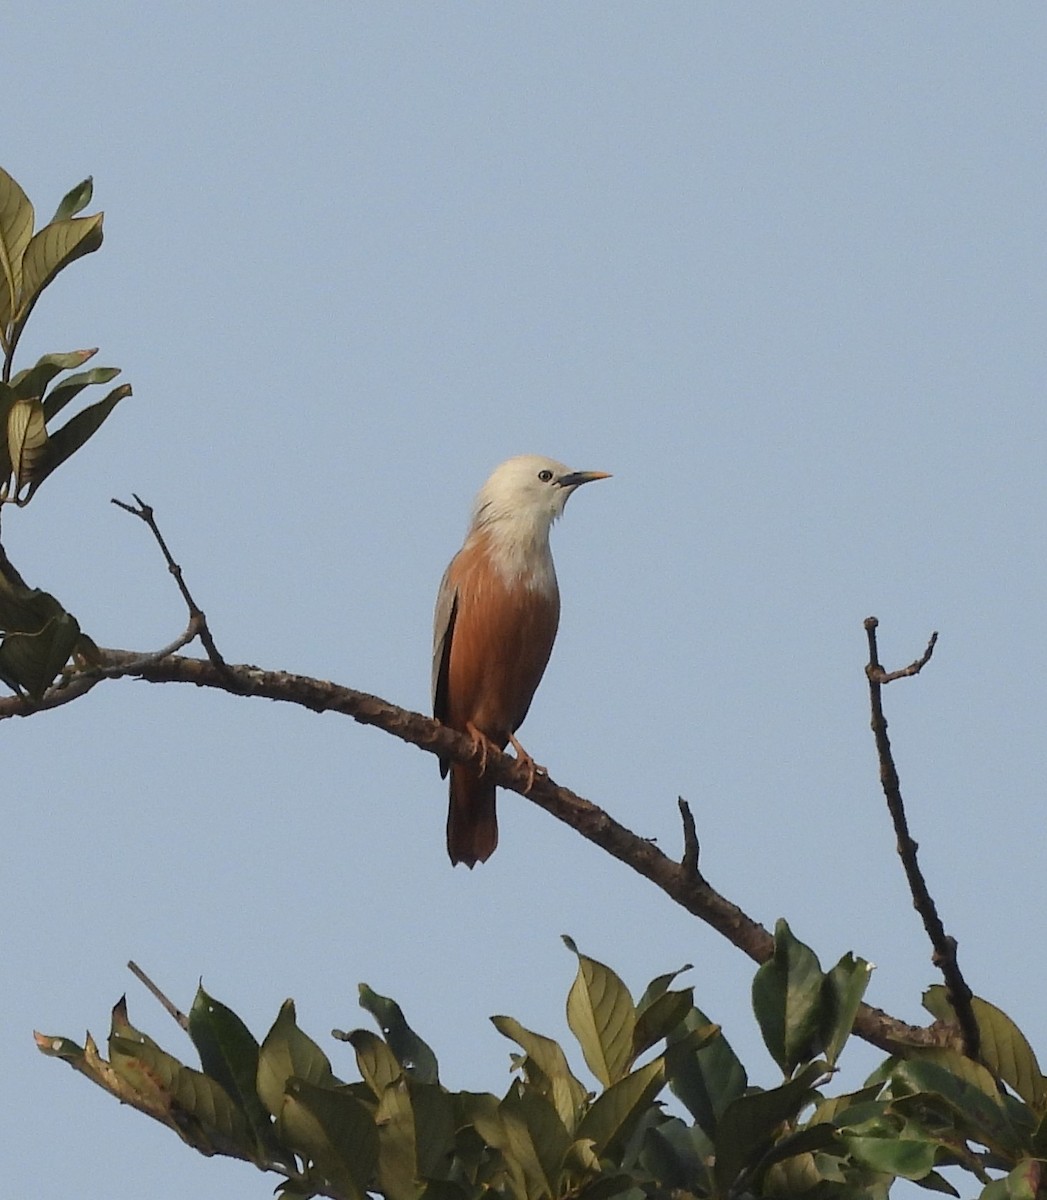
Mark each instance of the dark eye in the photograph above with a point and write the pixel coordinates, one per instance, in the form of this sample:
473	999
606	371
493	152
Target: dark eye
545	476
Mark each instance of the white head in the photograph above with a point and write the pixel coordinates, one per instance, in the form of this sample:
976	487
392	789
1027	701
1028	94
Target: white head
526	494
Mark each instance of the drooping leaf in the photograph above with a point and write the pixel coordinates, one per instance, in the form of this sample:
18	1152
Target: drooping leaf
32	382
545	1066
659	986
788	1000
39	637
287	1052
70	387
26	441
601	1016
334	1132
67	440
414	1055
75	200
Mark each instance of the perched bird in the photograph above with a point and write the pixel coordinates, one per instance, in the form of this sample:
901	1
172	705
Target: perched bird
496	616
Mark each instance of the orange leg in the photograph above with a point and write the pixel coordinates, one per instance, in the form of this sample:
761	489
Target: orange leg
533	769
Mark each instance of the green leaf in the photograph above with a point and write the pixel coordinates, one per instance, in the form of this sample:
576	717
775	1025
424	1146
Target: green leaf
903	1157
601	1016
60	395
416	1058
334	1132
229	1054
788	1000
39	638
378	1065
614	1113
51	250
548	1135
749	1124
845	986
73	435
660	1016
659	986
434	1128
16	231
75	200
31	383
705	1077
1004	1048
923	1082
195	1106
397	1151
546	1068
677	1155
26	441
1025	1182
289	1053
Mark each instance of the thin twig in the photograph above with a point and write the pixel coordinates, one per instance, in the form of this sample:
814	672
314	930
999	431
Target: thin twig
943	946
196	614
169	1005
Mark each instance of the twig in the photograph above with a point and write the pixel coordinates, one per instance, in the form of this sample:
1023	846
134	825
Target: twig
197	618
169	1005
943	946
691	848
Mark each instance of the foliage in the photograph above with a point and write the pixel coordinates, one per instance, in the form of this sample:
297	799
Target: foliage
39	636
399	1133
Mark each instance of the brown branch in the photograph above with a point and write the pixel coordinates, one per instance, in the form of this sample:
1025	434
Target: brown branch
197	619
691	849
943	946
678	880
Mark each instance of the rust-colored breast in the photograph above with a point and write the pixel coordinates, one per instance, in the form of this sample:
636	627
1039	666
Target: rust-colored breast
500	642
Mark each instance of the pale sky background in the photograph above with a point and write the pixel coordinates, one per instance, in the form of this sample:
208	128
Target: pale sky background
780	268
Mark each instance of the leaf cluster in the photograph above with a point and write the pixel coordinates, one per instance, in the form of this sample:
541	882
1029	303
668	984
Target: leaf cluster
39	636
399	1133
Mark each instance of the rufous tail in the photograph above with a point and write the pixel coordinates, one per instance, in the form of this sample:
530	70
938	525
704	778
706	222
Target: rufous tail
472	823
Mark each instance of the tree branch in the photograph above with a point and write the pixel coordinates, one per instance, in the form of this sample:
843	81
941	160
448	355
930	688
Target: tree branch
678	880
943	946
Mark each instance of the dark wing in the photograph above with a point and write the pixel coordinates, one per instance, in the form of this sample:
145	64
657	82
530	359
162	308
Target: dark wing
443	631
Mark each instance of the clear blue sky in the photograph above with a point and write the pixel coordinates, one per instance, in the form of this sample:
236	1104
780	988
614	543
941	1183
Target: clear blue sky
779	268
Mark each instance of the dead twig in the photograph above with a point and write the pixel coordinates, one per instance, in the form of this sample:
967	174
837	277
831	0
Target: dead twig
197	619
943	946
169	1005
691	849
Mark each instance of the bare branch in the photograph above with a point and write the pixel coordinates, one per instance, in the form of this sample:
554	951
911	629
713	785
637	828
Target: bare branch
197	619
678	880
943	946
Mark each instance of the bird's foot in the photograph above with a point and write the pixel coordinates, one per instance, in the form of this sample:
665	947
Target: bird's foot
482	745
533	769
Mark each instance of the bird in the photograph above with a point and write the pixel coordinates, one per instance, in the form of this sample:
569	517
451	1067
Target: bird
497	612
